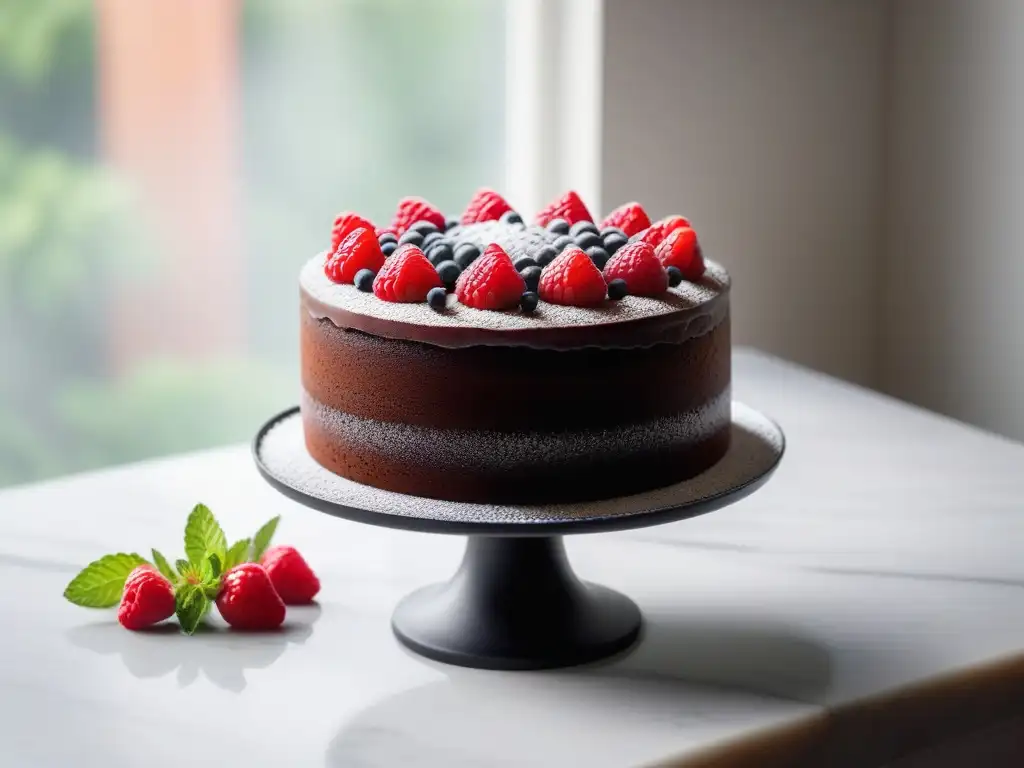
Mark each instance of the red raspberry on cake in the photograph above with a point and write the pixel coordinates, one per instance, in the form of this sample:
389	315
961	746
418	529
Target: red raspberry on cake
568	207
680	249
637	265
491	281
486	205
345	222
413	209
657	232
572	279
358	250
630	218
406	277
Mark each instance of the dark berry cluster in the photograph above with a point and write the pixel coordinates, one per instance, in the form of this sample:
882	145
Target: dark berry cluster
491	259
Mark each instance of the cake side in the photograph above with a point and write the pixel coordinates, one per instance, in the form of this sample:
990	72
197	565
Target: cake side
487	360
682	312
450	424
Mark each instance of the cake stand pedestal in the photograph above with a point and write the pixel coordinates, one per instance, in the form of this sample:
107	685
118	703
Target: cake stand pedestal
515	602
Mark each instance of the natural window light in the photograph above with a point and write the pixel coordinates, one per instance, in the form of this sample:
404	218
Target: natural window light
156	206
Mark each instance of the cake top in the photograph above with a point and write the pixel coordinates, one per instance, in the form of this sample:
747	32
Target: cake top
490	279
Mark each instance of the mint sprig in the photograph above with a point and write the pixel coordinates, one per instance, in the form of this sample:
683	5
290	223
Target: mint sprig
190	605
101	582
203	536
196	579
237	554
262	539
164	567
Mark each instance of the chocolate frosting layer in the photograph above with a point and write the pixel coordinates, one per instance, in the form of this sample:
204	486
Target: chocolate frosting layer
684	312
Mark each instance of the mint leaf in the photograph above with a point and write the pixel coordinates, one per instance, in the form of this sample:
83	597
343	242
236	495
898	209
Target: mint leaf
203	536
262	539
215	566
190	605
101	582
236	554
164	567
185	568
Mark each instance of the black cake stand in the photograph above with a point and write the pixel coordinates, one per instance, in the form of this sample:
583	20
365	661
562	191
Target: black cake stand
515	602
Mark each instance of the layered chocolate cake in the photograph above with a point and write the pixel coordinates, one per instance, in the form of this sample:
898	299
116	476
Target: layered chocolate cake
486	360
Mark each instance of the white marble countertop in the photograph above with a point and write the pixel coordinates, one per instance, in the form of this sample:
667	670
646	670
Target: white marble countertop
866	605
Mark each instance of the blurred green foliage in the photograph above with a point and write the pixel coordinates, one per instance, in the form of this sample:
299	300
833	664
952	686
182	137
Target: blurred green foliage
346	104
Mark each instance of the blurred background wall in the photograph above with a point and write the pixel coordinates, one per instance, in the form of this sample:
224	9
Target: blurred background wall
858	165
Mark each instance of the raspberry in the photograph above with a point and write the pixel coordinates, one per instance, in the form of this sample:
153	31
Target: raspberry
290	574
406	277
630	218
358	250
658	231
344	223
568	207
681	250
147	598
491	281
413	209
637	265
248	600
486	205
572	279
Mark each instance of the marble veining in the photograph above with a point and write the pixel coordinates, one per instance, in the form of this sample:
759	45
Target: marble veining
862	608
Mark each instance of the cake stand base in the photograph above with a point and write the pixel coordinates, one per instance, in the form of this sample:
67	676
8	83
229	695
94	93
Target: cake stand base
515	603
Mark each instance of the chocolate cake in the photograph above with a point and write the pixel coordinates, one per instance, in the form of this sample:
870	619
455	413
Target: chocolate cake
482	360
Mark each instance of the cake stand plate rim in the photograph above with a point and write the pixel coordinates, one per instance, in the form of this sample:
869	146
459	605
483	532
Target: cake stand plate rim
675	502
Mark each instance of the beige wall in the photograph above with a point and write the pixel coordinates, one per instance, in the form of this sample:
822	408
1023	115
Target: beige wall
763	121
955	264
858	165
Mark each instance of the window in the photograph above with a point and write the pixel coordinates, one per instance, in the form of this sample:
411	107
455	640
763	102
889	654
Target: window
165	168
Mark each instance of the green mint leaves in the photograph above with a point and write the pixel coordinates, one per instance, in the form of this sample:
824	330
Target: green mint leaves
262	539
196	579
164	567
237	554
101	582
190	605
203	536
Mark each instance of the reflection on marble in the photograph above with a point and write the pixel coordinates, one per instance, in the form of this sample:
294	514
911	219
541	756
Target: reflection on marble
862	607
219	655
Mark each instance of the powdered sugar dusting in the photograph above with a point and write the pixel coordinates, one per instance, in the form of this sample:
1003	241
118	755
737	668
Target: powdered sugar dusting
756	444
686	296
468	450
